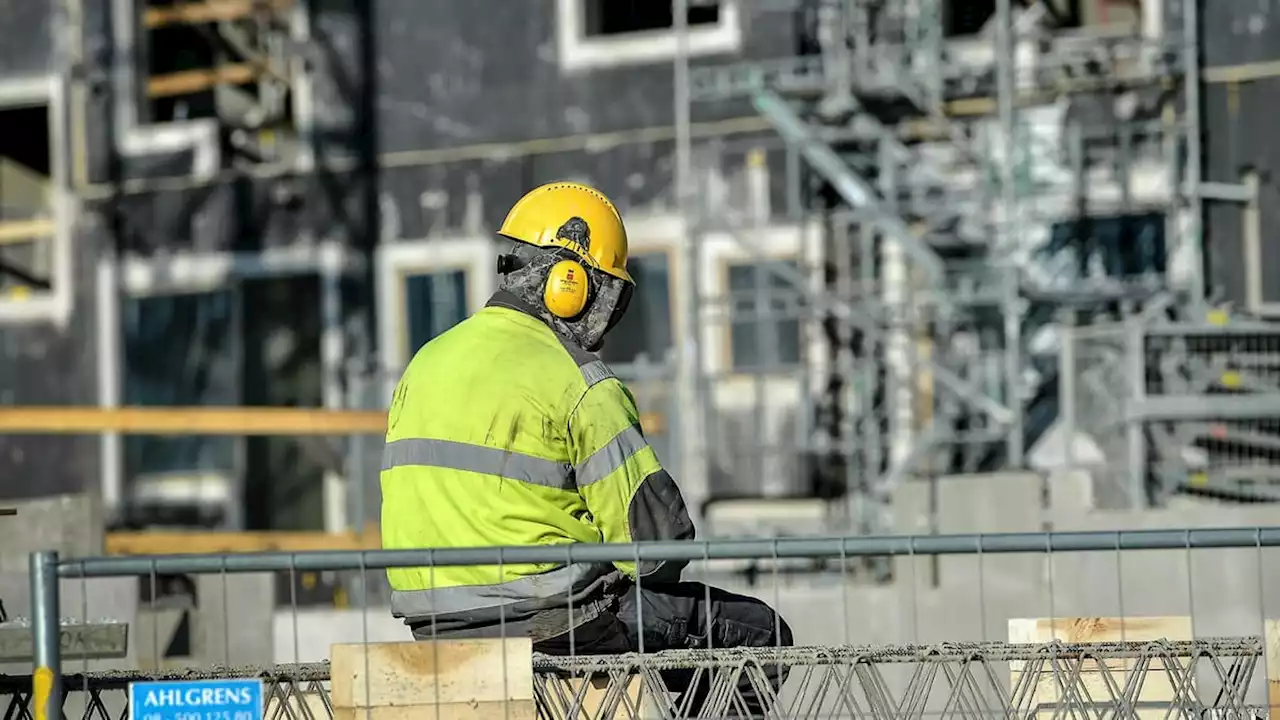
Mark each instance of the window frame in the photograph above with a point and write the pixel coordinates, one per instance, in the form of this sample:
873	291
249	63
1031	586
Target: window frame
55	227
726	269
577	53
660	235
720	250
474	255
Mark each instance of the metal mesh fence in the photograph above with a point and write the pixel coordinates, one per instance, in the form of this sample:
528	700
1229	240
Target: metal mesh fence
1168	623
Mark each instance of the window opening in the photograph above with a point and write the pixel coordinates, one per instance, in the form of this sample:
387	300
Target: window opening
776	331
181	49
178	351
967	17
25	211
604	18
435	302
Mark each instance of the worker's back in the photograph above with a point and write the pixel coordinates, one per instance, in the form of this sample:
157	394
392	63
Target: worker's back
478	449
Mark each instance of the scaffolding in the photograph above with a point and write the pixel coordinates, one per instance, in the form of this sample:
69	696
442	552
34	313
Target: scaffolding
970	193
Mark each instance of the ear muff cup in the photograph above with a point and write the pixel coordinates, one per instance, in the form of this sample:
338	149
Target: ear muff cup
567	290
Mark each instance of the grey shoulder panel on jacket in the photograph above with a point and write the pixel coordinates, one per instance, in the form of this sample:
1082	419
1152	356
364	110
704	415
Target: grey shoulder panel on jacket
593	369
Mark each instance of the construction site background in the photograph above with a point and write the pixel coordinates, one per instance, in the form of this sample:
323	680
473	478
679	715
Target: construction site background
904	267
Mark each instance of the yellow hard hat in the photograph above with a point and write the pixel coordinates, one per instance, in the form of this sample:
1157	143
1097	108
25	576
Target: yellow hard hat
575	217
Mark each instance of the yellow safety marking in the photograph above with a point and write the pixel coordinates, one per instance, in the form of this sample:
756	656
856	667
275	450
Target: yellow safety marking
1231	379
1218	317
1198	479
41	691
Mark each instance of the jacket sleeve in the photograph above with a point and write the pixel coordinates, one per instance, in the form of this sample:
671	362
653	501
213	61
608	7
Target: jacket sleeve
630	496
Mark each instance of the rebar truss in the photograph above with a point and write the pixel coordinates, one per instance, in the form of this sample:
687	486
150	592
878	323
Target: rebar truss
990	680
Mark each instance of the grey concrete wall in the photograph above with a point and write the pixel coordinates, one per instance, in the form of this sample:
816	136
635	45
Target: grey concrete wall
70	524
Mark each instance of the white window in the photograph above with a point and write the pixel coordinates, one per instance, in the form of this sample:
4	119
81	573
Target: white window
27	220
426	287
613	33
764	312
177	352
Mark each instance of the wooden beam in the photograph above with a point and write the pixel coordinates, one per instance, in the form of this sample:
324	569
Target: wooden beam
207	11
1271	639
204	543
476	679
237	421
187	82
13	232
262	421
1046	693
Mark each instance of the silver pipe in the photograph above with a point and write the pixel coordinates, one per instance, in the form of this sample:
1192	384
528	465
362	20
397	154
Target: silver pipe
1191	79
817	548
46	676
1011	231
689	362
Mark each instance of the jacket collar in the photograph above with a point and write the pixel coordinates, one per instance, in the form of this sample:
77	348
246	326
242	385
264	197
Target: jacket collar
507	299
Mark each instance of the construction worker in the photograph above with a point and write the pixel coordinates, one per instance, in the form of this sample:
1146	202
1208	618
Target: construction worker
507	430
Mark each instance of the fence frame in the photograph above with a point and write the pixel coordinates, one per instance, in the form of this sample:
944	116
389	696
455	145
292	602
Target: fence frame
47	568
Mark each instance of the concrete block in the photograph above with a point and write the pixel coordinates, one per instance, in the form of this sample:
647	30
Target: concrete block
452	680
306	635
235	616
980	503
69	524
82	600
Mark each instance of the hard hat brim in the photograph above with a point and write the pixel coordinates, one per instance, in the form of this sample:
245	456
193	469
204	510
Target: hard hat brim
620	273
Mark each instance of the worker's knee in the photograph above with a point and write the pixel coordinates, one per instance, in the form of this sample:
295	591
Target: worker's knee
782	631
769	627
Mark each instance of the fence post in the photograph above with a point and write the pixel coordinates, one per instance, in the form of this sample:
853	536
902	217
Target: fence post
46	675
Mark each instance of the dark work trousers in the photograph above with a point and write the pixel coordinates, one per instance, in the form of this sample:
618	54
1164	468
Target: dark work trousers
679	616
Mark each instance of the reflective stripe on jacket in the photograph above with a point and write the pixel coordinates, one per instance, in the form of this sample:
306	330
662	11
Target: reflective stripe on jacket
500	432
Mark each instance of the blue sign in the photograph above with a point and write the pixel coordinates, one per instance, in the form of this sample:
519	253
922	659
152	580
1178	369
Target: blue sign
196	700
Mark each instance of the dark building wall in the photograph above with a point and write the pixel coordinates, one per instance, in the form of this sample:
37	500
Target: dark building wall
1238	130
450	76
453	74
41	365
465	75
28	51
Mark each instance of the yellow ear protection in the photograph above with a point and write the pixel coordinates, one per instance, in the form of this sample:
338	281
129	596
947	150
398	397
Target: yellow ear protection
567	291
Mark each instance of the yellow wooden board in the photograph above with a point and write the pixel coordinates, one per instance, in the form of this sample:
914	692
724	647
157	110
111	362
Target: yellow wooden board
187	82
426	674
1156	688
207	11
205	543
1271	636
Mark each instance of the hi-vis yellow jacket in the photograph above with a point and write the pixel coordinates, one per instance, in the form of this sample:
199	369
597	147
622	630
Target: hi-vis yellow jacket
500	432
